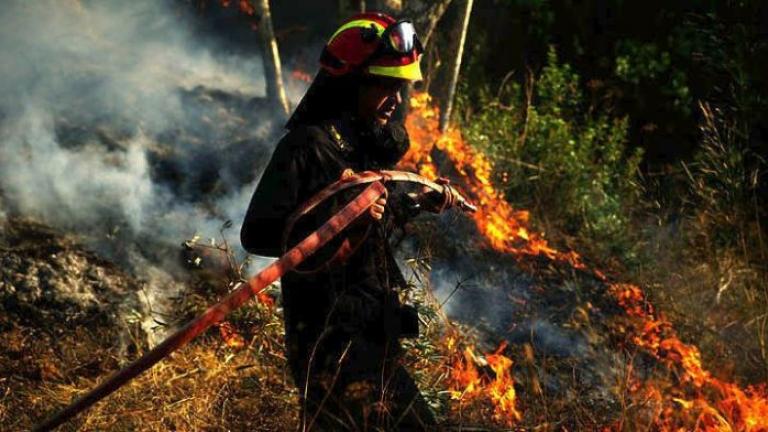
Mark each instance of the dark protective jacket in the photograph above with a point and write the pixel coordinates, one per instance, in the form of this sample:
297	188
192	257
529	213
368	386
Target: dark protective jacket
350	306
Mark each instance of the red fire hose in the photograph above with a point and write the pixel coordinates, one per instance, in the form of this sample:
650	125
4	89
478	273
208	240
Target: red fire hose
260	281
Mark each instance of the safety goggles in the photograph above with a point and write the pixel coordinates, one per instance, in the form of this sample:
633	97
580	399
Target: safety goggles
400	39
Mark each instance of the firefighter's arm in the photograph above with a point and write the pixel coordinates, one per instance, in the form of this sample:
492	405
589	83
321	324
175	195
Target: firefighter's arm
274	199
293	173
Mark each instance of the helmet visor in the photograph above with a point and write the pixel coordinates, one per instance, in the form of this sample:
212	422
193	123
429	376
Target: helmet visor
401	37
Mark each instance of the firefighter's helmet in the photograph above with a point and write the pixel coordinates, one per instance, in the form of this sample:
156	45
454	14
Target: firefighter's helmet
374	44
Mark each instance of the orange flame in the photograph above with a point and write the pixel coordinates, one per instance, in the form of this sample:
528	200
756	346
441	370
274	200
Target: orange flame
264	298
505	228
469	384
715	404
502	388
230	336
699	402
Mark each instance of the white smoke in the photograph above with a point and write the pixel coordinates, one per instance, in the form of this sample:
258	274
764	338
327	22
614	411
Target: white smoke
120	61
89	92
79	188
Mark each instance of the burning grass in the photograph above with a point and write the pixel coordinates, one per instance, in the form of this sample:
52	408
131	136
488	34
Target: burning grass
234	378
499	390
692	398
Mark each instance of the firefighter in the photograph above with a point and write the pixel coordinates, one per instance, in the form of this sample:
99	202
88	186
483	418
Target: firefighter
343	315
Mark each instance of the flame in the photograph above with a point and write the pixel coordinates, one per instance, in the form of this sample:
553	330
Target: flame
505	228
468	384
264	298
715	404
230	336
502	388
698	401
464	376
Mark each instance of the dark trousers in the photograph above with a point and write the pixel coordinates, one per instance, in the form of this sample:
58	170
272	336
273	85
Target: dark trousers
367	391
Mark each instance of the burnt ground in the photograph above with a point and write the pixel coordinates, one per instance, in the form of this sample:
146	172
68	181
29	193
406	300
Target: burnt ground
68	318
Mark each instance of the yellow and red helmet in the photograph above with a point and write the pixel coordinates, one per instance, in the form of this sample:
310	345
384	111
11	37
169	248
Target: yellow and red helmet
374	44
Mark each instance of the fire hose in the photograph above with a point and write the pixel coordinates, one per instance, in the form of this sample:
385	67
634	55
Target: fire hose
256	284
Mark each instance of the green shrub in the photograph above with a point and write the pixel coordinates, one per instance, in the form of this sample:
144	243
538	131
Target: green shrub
551	154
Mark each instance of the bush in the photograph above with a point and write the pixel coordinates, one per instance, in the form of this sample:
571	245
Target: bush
554	155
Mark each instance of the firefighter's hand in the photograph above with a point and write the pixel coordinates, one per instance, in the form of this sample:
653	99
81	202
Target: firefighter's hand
377	209
434	201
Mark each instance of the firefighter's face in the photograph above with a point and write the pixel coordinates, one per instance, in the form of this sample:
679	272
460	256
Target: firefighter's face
378	98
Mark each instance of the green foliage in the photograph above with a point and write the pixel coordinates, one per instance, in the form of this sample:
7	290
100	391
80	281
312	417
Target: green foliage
571	166
638	63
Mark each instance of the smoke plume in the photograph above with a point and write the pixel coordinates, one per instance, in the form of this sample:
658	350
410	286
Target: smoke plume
121	124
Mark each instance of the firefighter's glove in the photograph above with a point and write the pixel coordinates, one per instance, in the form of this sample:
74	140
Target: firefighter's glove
435	201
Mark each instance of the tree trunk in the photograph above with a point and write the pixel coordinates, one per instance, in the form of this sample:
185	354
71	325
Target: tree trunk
273	74
347	8
445	115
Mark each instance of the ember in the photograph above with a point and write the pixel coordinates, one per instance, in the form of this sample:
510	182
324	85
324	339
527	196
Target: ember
230	336
264	298
243	6
300	75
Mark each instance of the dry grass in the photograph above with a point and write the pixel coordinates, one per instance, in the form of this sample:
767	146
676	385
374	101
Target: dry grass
204	386
707	270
